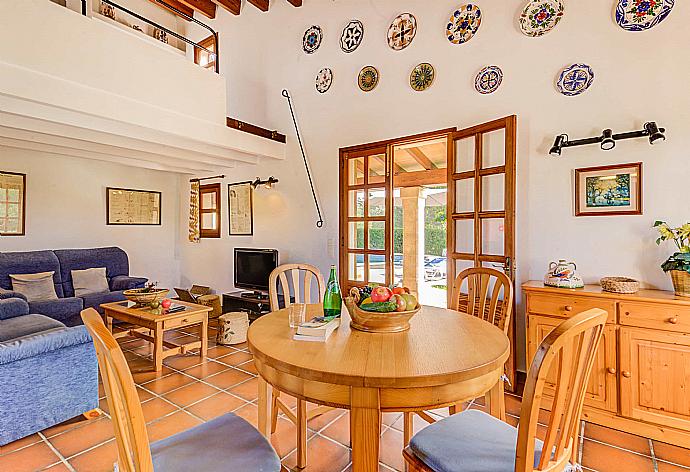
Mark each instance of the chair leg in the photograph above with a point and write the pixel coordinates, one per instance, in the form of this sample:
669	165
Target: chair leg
301	434
274	411
452	409
408	421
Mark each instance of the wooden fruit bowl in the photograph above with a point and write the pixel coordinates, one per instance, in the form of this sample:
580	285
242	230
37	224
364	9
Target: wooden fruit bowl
374	322
141	298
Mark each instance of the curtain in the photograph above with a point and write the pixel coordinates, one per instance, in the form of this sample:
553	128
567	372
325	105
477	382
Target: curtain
194	231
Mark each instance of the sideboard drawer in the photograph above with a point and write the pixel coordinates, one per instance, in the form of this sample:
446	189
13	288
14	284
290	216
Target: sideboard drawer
567	306
655	315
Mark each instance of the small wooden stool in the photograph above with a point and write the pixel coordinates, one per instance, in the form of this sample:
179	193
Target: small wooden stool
232	328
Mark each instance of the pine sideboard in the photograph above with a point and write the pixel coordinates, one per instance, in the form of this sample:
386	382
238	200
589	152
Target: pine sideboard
640	382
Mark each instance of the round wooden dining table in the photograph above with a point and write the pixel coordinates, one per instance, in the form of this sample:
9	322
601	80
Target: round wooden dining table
445	358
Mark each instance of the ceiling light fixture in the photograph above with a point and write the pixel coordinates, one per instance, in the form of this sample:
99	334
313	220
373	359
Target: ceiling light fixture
607	140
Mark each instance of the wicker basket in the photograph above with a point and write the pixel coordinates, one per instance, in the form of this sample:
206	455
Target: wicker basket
142	298
232	328
681	282
620	285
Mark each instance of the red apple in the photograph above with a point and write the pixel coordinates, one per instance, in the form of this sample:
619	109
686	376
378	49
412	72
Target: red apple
398	290
166	303
401	304
381	294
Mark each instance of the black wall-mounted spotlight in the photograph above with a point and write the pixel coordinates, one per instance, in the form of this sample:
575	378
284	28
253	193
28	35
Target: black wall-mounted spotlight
607	140
268	183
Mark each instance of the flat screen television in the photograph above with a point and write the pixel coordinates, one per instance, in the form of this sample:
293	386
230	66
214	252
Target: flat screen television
253	267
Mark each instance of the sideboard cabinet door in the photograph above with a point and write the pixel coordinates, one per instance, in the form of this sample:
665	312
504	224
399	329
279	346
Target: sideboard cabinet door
602	387
655	376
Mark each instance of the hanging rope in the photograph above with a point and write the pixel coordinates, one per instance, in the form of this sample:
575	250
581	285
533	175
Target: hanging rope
319	223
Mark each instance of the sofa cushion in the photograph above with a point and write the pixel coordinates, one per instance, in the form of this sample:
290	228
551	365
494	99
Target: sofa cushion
30	262
88	281
247	451
13	307
27	325
63	309
35	287
94	300
113	259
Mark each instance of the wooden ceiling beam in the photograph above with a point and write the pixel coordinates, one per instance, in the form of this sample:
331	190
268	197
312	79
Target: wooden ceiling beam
419	156
233	6
295	3
260	4
205	7
177	6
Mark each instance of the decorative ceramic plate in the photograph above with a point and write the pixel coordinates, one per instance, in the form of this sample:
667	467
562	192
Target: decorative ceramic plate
540	16
422	77
488	79
641	15
402	31
368	78
312	39
575	79
464	24
324	80
352	36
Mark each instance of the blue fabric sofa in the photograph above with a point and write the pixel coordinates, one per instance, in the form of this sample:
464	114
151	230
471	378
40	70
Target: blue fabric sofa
67	308
49	371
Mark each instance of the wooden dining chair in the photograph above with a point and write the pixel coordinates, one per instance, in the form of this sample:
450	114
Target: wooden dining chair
225	443
486	294
473	441
300	278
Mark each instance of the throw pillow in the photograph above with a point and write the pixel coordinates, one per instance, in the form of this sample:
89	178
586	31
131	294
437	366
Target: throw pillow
35	287
89	281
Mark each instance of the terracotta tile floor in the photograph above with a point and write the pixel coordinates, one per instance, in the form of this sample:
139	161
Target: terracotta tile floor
188	392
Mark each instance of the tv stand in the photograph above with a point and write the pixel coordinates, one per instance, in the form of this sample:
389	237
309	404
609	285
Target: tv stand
255	295
249	303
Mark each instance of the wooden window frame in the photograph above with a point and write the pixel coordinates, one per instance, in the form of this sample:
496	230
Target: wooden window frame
210	41
22	196
210	189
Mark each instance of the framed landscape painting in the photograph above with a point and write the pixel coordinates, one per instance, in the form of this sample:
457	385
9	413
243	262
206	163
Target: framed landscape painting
609	190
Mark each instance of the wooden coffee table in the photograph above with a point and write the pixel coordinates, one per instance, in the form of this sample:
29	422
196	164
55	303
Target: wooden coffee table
151	325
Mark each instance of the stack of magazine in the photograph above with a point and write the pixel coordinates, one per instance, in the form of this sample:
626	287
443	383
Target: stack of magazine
316	329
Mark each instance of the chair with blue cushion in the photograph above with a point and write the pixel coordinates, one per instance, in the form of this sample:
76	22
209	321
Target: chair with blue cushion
227	443
474	441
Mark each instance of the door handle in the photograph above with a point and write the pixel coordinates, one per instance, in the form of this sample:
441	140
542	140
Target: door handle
611	370
626	374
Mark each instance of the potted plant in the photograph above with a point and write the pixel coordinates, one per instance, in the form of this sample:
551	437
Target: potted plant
679	263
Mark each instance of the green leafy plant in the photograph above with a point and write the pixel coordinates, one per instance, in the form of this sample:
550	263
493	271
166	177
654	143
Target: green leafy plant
681	238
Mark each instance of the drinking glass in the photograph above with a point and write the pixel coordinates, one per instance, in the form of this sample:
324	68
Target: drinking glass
296	314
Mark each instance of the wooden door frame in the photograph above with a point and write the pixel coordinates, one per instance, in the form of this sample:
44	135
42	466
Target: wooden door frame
344	153
509	123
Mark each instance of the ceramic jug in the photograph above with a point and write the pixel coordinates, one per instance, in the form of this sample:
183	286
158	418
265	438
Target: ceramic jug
562	269
563	274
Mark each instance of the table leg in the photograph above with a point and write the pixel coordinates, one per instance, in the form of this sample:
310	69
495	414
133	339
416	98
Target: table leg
495	399
265	400
365	428
109	322
204	338
158	347
301	434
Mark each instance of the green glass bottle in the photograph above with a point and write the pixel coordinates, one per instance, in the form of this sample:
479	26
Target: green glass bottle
332	299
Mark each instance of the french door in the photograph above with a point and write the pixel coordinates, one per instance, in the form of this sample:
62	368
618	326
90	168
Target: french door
365	226
481	203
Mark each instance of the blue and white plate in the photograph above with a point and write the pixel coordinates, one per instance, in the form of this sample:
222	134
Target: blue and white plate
488	80
575	79
312	39
641	15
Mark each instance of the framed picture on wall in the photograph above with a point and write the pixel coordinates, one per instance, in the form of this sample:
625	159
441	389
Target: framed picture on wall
132	207
609	190
241	209
12	204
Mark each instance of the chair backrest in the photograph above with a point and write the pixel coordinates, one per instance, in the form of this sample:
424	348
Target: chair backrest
134	454
301	292
570	349
485	293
